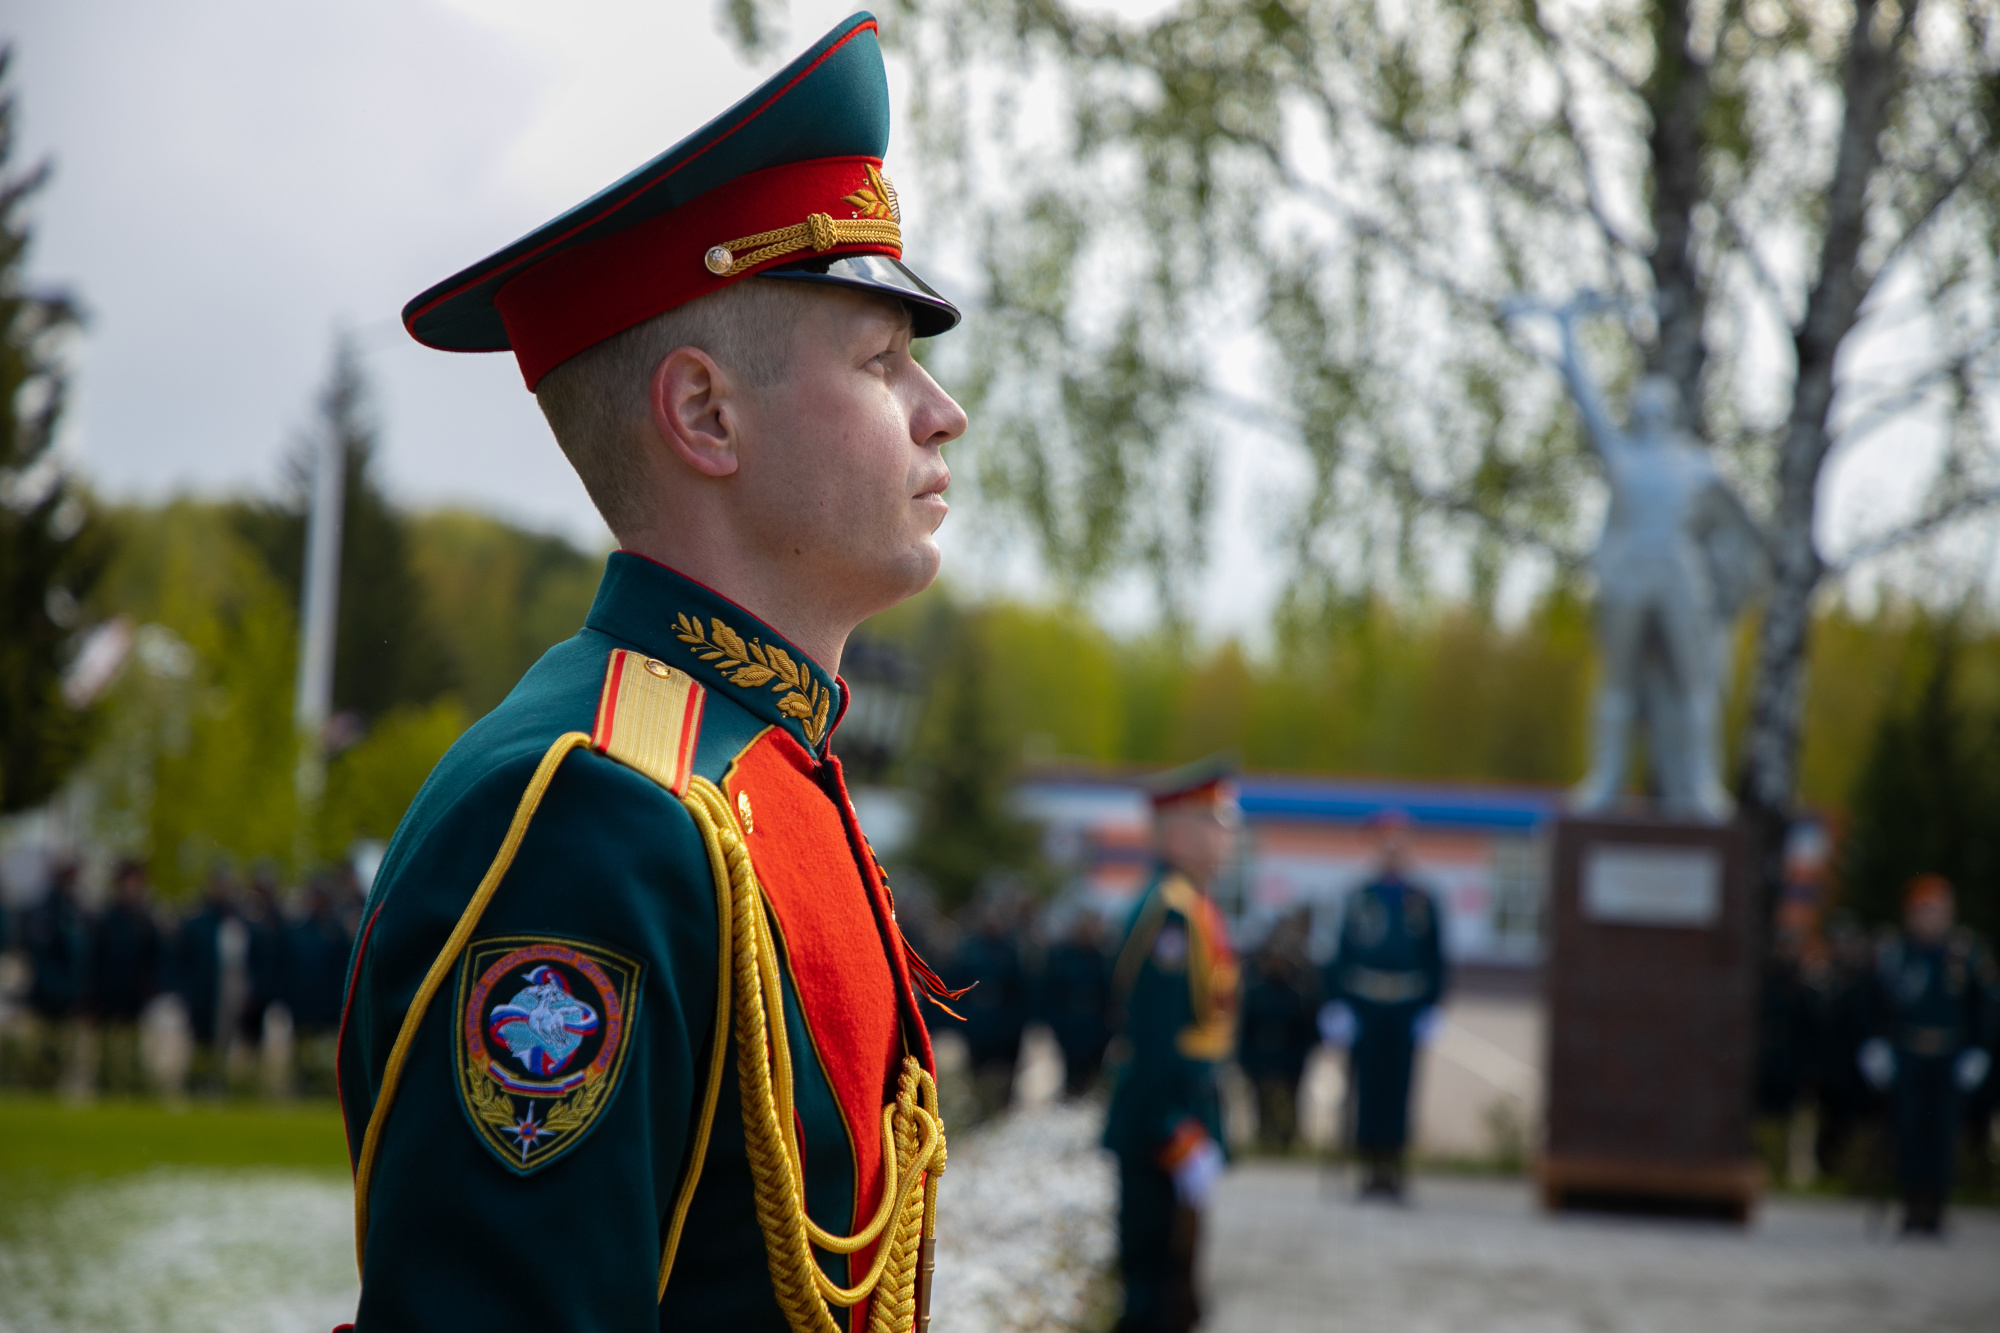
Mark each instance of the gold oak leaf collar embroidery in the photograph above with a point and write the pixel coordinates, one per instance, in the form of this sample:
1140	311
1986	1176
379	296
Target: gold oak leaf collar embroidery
753	665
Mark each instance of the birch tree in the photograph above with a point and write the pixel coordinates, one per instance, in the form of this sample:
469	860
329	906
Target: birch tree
1797	202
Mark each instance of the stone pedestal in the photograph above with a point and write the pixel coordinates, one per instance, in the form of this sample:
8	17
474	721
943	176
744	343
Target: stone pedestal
1651	978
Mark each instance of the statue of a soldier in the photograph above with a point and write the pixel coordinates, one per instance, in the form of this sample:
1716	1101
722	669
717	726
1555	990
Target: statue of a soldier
1677	561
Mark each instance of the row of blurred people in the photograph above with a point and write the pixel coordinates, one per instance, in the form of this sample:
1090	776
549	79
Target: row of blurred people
1377	998
90	978
1888	1041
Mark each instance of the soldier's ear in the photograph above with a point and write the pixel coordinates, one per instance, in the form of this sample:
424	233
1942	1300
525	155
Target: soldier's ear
697	410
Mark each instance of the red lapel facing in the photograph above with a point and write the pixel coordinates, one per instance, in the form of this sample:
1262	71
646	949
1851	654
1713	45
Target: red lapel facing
826	911
885	916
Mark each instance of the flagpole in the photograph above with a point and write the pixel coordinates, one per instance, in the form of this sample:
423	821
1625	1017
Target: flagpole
318	620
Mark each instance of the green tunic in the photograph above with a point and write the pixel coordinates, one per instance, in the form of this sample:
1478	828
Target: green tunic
545	1116
1177	980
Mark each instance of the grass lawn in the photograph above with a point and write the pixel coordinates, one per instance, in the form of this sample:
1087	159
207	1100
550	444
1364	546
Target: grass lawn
42	1139
210	1219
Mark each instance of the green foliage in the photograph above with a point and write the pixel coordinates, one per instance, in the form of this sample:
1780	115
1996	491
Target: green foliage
965	764
370	784
1375	686
1925	798
198	760
51	549
1351	687
386	651
200	750
498	597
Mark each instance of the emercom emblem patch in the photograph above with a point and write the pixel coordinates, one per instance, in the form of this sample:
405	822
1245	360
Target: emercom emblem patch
542	1032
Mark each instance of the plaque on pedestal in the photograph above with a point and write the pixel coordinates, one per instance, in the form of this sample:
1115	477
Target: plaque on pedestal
1652	991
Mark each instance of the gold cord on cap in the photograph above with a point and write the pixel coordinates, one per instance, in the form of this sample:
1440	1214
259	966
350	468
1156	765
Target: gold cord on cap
819	233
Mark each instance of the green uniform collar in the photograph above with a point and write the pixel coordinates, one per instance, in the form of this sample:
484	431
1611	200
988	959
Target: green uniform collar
667	615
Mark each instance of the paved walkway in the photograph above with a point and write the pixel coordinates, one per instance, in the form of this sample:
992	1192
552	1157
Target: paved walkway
1284	1254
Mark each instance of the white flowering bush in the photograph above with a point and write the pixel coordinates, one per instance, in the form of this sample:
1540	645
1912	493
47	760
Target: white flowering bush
1025	1231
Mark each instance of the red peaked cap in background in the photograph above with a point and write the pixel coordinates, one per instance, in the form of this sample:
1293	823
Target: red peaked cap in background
785	184
1205	783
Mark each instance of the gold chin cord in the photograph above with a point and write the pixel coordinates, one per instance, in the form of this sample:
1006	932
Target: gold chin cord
913	1146
748	994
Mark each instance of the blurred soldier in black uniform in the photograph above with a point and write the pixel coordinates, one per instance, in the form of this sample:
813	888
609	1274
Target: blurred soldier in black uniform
1931	1047
265	966
56	938
1982	1102
125	973
1847	1104
1786	1037
996	1007
198	976
1075	1000
1388	975
1279	1028
316	949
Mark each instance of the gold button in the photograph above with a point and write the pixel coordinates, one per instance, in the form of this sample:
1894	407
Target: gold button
657	667
718	259
743	812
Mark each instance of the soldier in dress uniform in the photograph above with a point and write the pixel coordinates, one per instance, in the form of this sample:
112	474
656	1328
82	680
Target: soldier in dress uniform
1931	1047
632	1038
55	935
125	973
317	946
1383	987
987	964
1281	1002
199	976
1073	996
1176	981
1847	1106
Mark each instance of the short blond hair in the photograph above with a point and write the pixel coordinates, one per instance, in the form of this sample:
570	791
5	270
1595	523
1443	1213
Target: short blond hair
598	403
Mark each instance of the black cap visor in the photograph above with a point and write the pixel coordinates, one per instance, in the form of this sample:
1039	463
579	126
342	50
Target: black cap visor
930	314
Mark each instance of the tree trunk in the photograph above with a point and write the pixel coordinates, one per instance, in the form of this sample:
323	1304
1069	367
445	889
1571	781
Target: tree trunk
1869	79
1677	96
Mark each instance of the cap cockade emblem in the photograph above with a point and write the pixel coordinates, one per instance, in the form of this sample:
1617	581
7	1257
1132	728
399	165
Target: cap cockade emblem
876	199
543	1028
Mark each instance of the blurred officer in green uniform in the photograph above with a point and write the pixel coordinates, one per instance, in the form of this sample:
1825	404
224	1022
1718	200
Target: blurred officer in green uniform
632	1038
1932	1047
1382	987
1176	981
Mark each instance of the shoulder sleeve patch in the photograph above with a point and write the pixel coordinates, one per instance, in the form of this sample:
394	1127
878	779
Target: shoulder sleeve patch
648	718
542	1028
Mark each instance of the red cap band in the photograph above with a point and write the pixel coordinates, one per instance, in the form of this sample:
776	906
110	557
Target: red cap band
577	298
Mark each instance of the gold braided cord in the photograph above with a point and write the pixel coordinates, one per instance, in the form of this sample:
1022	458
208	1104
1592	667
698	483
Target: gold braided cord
895	1308
392	1073
718	865
913	1136
820	232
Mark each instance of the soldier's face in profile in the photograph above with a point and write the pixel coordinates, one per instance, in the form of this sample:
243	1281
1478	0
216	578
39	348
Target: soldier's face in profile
1198	840
844	468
